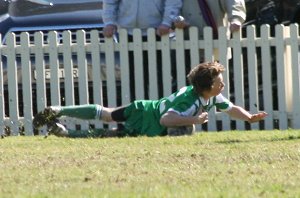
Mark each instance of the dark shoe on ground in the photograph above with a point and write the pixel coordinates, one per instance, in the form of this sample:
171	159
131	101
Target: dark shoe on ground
181	130
48	115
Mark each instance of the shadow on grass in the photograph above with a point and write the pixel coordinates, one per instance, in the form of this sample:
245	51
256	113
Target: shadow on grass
233	141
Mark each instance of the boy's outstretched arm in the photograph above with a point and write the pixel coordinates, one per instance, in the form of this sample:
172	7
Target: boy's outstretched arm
240	113
172	119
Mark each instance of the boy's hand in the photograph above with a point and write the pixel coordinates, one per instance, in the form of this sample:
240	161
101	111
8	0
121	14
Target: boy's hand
202	118
257	117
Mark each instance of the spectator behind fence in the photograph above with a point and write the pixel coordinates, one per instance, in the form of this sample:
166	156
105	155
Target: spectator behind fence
201	13
172	115
142	14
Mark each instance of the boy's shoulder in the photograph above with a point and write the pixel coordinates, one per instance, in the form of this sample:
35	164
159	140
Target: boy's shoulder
187	91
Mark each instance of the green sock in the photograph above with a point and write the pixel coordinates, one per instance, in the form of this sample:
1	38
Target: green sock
86	112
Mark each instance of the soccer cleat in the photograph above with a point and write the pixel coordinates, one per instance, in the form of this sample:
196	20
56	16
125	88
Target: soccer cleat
48	115
57	129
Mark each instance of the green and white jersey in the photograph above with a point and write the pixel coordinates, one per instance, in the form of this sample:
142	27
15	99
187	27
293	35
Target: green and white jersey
143	116
186	102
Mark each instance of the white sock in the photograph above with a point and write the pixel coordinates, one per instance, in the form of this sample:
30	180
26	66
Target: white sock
99	109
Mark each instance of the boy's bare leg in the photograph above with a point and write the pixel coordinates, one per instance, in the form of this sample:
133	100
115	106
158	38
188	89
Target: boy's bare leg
106	114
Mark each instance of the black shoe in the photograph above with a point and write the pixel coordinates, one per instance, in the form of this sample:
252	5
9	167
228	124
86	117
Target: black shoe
49	115
181	130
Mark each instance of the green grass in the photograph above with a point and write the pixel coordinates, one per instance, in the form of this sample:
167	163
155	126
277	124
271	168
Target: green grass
226	164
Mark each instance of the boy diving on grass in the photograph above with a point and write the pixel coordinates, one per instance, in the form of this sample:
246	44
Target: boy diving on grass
173	115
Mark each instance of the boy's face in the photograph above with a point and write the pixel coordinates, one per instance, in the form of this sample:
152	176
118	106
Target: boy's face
218	86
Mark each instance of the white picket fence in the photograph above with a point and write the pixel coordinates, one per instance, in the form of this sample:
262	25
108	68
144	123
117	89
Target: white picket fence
248	77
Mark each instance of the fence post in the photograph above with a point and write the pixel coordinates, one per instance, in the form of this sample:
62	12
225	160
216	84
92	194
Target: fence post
288	72
152	58
13	95
281	76
238	75
2	104
54	69
252	72
110	73
124	66
209	56
26	83
166	64
68	68
180	59
138	64
223	58
96	69
295	62
266	76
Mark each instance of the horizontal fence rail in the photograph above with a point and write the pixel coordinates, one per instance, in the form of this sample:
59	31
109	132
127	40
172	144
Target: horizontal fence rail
38	70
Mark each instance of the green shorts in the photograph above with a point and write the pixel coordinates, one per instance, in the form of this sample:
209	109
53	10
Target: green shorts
143	118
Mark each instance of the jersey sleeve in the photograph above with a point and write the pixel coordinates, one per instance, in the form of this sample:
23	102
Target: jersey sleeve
185	109
222	103
183	102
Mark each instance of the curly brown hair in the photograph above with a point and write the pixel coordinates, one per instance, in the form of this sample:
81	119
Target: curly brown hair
202	76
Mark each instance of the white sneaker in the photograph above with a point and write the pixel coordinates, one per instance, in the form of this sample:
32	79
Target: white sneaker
57	129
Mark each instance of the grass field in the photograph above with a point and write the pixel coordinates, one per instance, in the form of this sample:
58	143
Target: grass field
224	164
